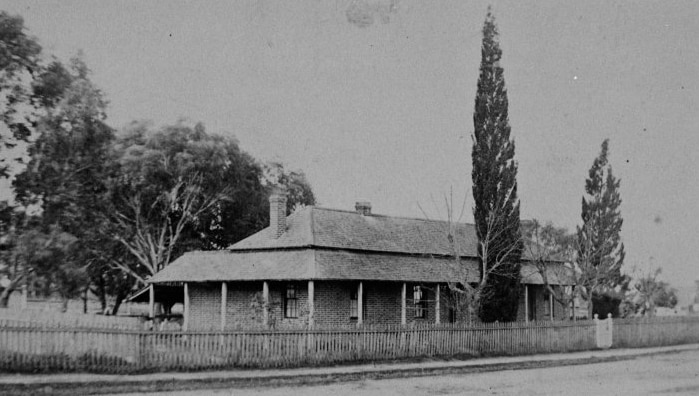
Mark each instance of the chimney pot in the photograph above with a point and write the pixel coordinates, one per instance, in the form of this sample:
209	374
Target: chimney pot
277	211
363	208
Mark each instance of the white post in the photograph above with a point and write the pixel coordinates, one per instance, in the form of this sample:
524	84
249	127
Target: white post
311	303
151	302
551	305
185	324
437	319
265	302
402	305
224	301
360	303
526	303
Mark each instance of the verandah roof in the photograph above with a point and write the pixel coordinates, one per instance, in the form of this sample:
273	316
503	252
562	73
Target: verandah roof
325	264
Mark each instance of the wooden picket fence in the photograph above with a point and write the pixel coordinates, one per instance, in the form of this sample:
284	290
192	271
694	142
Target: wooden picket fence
658	331
53	320
34	349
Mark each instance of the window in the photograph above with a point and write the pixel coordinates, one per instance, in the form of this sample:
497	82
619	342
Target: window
291	302
420	302
549	305
531	302
354	305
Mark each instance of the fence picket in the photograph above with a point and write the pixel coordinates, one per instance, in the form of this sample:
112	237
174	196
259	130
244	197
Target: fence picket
60	348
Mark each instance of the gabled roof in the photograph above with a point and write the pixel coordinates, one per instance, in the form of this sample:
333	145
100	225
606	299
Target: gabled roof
339	229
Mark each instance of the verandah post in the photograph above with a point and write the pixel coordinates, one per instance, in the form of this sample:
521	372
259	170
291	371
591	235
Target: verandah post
551	305
526	303
151	302
311	303
360	303
402	305
185	324
437	319
224	301
265	302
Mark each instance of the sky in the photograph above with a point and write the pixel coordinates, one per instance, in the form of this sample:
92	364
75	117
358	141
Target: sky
373	99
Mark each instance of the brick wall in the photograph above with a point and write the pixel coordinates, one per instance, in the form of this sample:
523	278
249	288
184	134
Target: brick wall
382	304
204	306
332	303
244	305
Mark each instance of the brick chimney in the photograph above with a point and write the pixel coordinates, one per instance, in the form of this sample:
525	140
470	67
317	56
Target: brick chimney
363	208
277	212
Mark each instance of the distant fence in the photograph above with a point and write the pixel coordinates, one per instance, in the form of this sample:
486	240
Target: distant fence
659	331
122	351
48	319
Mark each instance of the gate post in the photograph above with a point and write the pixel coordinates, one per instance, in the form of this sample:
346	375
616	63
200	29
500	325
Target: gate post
603	331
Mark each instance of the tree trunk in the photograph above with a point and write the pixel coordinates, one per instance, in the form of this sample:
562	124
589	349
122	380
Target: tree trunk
117	302
64	305
85	301
5	297
101	293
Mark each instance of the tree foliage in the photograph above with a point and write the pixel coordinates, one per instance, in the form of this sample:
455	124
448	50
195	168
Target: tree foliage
19	59
600	252
65	177
179	188
496	206
649	292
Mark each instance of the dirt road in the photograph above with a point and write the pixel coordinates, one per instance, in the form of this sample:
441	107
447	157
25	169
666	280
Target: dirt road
676	373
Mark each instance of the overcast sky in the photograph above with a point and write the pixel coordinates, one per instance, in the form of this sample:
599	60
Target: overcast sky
373	99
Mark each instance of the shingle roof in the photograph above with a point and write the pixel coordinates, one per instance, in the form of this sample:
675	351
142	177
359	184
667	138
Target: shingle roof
331	228
556	273
313	264
334	244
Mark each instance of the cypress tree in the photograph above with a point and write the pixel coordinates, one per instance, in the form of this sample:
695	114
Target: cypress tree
496	206
600	251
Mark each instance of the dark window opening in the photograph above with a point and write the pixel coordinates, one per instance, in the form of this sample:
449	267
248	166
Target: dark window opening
532	303
291	302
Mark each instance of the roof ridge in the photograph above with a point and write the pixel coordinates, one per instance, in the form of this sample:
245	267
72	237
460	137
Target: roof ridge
388	216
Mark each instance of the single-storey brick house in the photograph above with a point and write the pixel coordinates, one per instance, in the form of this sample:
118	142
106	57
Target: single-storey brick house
325	267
